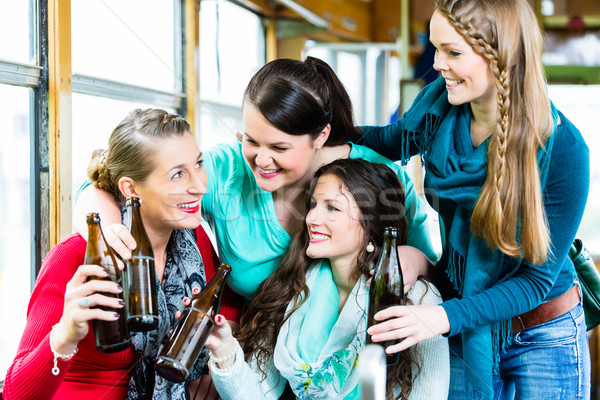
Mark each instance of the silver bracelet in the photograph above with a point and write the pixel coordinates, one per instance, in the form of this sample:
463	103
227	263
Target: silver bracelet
228	356
55	370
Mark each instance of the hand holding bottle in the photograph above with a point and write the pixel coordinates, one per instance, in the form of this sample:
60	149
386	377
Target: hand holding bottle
409	324
81	294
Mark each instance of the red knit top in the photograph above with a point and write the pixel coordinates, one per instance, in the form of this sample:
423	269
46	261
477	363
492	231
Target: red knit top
89	374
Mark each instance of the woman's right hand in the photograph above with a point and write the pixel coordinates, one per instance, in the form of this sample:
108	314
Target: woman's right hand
80	296
119	238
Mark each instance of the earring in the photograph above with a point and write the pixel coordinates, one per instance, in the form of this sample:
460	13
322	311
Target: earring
319	147
370	248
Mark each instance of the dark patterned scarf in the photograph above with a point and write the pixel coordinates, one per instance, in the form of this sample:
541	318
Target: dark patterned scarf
184	270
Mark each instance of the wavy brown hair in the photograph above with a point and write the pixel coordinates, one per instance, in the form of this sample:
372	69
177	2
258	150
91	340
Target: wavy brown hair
509	214
380	197
131	147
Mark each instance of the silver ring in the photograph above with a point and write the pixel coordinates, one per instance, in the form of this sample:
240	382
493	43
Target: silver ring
84	302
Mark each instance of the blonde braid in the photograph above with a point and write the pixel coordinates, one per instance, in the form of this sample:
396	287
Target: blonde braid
99	172
493	196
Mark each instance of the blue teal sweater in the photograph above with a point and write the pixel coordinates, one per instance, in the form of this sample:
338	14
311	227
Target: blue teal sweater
564	199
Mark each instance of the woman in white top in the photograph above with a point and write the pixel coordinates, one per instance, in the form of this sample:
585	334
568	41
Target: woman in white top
307	324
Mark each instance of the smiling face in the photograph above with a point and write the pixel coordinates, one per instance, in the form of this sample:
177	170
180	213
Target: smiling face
333	223
276	158
468	75
171	194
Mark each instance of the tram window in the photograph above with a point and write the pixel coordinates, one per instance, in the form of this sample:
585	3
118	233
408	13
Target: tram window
128	41
227	62
353	66
94	118
581	105
14	24
15	222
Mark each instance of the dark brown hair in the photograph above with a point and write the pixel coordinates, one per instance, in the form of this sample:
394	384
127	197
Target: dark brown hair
301	98
380	197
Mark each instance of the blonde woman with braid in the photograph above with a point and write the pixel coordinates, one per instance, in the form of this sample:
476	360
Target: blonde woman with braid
509	176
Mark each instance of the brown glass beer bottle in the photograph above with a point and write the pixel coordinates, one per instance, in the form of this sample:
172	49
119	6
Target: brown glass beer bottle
111	336
187	340
140	274
387	285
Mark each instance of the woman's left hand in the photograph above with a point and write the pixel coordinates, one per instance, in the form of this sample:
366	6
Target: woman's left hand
411	324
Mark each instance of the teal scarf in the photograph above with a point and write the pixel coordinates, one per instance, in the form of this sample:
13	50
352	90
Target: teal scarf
456	171
317	349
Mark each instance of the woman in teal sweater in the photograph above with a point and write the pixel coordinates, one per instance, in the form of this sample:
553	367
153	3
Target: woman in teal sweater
509	176
297	117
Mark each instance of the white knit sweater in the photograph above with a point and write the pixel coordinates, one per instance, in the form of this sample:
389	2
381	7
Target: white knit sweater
243	381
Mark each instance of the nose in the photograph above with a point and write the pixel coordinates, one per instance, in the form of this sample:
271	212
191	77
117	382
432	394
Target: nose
314	217
198	182
263	157
439	62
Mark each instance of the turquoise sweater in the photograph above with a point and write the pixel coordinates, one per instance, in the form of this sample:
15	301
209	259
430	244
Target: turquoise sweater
248	234
564	202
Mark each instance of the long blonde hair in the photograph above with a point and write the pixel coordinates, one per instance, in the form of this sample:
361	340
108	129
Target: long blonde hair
509	214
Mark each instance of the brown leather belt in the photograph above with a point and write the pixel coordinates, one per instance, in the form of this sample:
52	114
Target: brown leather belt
547	311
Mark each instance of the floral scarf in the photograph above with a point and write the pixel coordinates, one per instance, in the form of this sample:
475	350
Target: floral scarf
184	270
317	349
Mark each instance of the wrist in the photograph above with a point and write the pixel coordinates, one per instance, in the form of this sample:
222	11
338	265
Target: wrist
224	356
59	354
60	342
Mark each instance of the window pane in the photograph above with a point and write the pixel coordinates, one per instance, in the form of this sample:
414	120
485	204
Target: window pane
14	24
225	73
94	118
15	228
128	41
581	105
217	127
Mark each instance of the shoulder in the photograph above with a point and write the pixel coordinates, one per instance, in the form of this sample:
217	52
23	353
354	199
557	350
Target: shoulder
227	171
423	292
71	248
61	262
224	152
367	154
570	158
568	140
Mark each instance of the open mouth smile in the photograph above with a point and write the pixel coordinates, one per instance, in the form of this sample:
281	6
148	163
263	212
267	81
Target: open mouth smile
191	208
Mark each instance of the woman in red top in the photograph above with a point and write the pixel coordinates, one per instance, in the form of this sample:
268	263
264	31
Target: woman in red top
153	156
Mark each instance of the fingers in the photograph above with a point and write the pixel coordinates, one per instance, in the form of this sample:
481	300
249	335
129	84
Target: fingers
220	335
120	239
221	321
86	271
239	136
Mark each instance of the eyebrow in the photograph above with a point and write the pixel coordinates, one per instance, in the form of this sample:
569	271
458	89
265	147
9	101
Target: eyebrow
180	166
270	144
451	44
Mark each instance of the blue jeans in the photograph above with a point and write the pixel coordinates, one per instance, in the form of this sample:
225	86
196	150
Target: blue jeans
547	361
